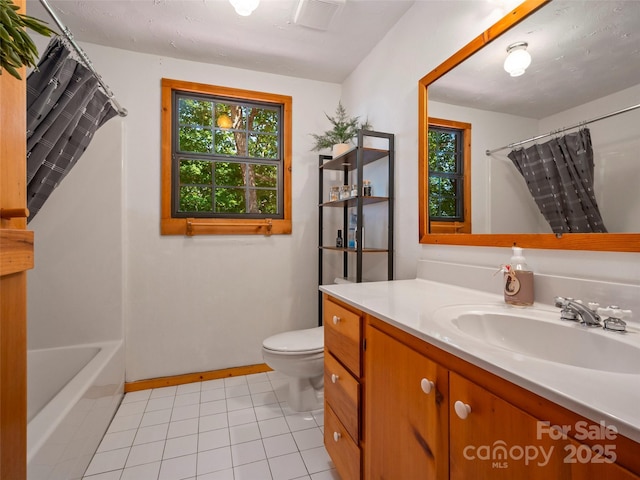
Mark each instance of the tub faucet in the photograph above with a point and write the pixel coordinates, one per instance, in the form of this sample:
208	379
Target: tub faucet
576	311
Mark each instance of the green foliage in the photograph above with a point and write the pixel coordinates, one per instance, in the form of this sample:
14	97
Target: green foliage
16	47
442	163
344	129
239	184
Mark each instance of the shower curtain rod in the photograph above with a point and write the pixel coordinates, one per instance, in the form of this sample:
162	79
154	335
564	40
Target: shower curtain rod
85	59
554	132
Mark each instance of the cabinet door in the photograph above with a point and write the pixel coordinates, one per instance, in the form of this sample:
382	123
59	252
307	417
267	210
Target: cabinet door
497	440
405	428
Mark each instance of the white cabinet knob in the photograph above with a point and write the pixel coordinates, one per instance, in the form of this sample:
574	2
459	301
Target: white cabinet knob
426	385
462	409
336	436
336	319
334	377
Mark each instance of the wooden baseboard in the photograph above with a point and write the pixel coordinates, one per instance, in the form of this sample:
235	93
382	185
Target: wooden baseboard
195	377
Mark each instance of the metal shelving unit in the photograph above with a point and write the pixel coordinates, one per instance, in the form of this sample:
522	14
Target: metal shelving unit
354	162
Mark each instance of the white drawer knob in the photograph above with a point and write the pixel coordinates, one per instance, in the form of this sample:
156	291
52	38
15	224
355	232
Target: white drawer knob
336	436
426	385
462	409
336	319
334	377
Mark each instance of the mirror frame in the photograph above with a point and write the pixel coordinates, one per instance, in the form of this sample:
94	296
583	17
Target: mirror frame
615	242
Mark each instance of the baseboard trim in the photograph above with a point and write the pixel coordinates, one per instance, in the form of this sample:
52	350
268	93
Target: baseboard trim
195	377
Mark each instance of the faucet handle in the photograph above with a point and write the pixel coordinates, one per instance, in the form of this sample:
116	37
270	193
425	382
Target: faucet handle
613	311
593	306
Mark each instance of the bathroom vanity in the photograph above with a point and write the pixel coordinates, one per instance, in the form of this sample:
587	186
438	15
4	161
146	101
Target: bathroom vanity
409	396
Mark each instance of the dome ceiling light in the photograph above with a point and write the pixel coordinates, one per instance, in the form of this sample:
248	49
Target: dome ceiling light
518	59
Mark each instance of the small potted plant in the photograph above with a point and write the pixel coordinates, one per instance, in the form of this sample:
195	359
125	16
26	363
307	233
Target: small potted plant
344	129
18	49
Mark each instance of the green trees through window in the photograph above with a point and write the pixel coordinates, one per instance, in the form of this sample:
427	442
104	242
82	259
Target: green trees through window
228	156
446	174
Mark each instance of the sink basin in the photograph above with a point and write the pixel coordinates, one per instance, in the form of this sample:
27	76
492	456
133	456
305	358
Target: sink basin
541	334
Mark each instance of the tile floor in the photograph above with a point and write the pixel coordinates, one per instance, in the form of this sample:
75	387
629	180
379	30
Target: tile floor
235	428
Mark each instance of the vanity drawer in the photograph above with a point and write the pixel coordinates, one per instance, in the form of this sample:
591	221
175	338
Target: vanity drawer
342	393
341	448
342	335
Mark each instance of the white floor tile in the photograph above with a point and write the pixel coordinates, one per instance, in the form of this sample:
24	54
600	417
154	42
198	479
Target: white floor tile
138	396
248	452
156	417
306	439
318	416
212	384
235	381
160	403
287	467
326	475
236	390
113	475
211	395
300	421
260	387
124	422
214	460
107	461
257	378
152	433
115	440
273	426
148	471
131	408
265	412
182	428
213	422
239	403
213	439
317	460
179	468
264	398
253	471
244	433
238	417
186	399
210	408
185	412
221	475
145	453
164	392
189	388
178	447
279	445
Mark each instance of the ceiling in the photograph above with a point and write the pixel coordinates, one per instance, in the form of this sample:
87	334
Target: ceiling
210	31
581	50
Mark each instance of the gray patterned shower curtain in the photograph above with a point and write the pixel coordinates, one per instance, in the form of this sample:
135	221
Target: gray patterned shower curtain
64	109
559	175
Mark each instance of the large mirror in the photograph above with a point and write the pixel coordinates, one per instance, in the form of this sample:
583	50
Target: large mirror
581	91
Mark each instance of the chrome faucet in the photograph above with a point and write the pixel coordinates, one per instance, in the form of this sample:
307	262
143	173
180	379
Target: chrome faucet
576	311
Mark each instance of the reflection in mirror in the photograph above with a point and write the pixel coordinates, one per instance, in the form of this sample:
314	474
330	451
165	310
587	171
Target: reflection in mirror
584	69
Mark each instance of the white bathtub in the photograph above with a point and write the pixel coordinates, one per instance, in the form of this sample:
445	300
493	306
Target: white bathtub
73	392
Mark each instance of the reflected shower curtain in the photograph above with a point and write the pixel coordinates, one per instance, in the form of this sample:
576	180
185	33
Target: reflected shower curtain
559	175
64	109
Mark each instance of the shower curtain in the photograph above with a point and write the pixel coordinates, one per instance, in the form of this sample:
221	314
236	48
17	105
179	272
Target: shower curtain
64	109
559	175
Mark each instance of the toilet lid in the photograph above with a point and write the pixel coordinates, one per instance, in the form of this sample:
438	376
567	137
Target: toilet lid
296	341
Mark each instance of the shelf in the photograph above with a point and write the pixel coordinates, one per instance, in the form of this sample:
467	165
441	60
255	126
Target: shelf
348	159
352	202
353	250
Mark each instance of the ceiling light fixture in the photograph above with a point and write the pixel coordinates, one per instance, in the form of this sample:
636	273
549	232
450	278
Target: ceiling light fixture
518	59
244	7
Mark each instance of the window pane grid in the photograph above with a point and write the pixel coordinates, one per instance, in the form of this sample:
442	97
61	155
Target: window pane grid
446	174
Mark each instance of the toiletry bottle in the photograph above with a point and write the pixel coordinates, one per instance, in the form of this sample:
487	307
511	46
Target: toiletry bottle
518	281
339	241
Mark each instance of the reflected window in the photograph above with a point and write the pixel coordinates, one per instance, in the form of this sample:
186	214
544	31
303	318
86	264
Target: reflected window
449	190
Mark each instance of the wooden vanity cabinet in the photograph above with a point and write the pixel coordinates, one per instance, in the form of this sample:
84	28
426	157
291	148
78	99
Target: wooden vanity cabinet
413	435
343	327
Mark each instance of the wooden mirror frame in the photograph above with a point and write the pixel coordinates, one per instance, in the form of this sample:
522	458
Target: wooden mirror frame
615	242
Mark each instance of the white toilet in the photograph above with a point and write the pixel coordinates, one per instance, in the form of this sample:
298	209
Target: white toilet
299	354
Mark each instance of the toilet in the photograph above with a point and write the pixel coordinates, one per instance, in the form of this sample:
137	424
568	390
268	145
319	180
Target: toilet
299	355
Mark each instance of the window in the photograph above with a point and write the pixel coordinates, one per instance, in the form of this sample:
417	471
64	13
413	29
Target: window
449	190
226	160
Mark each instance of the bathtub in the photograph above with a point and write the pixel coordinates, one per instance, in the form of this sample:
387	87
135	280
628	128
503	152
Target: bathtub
73	393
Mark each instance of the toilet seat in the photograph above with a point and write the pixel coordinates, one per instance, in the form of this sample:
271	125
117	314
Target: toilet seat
310	340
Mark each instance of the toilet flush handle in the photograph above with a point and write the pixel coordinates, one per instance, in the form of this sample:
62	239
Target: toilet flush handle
336	319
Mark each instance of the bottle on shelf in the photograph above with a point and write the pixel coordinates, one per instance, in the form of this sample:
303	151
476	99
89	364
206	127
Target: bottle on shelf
339	240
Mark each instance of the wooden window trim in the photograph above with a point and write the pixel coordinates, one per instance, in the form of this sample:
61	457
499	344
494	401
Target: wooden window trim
222	226
452	227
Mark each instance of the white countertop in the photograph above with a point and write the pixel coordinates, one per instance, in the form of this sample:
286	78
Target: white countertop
611	397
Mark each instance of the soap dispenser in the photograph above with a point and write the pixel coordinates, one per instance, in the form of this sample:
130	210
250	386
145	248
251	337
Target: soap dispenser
518	281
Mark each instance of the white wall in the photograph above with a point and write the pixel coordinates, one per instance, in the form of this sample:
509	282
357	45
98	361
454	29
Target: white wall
384	86
207	302
75	291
